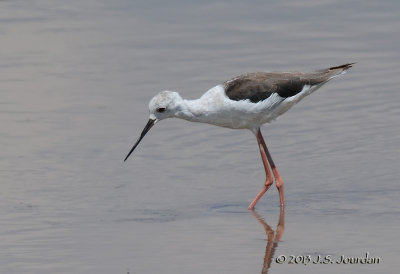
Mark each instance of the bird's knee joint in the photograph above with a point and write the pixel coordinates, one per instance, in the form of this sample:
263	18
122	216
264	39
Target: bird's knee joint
268	182
279	183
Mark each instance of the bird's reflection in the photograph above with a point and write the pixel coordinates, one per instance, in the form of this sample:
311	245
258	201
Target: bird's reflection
272	237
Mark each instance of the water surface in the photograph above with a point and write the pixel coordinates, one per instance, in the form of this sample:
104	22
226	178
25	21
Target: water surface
76	78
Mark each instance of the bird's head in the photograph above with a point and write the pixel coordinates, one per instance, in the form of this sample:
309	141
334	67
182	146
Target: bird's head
164	105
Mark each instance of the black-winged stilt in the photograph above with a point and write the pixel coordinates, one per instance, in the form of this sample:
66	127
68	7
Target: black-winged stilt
244	102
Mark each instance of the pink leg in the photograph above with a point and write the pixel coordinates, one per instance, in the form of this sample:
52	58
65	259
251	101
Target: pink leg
278	178
267	161
269	180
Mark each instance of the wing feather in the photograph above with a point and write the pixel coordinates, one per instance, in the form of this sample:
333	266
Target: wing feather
258	86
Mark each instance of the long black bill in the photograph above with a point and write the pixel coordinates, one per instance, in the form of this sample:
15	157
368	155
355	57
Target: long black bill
148	126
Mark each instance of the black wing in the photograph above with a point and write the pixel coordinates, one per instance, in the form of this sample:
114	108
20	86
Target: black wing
259	86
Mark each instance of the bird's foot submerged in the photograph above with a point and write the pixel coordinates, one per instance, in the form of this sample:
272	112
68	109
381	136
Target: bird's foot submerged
260	194
267	185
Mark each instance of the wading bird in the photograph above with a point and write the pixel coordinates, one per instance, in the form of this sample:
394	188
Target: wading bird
244	102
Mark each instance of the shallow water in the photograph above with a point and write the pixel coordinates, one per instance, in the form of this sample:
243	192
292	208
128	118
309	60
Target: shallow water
76	78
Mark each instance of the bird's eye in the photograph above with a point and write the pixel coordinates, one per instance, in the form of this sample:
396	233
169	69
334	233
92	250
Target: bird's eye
161	109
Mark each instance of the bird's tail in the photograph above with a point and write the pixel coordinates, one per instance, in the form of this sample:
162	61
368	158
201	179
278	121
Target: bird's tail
342	67
338	70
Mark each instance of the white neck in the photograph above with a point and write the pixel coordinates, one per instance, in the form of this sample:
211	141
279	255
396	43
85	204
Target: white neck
191	110
207	109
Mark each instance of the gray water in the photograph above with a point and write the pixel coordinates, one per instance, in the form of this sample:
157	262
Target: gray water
75	81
